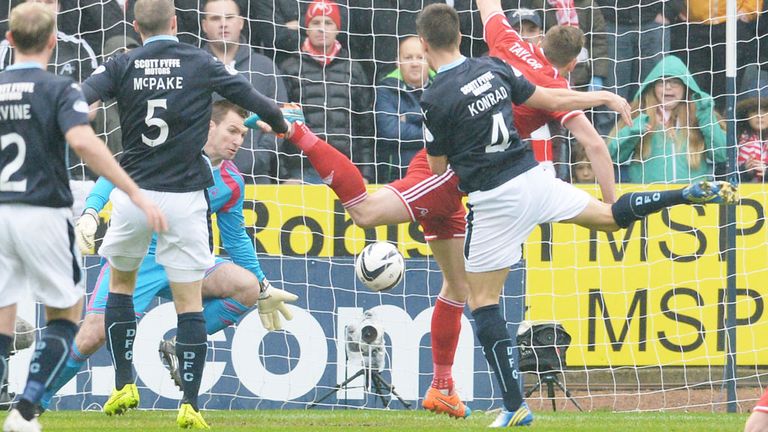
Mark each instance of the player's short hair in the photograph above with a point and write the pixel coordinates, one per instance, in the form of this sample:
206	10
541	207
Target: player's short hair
31	25
438	24
154	16
562	44
222	107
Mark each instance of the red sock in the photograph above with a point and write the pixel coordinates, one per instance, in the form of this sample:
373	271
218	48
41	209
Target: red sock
336	170
446	325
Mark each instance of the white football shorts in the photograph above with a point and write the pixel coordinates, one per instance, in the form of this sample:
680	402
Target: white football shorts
501	219
38	252
184	250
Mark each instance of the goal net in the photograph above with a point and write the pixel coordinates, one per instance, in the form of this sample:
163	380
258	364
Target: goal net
645	308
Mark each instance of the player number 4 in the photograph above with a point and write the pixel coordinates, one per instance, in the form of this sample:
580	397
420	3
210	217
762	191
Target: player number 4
151	120
499	136
6	185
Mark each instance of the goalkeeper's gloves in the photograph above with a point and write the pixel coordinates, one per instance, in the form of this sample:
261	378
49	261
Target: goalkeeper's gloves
85	230
272	305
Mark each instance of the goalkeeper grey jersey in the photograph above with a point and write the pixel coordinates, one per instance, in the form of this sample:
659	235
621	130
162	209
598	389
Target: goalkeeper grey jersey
37	108
163	91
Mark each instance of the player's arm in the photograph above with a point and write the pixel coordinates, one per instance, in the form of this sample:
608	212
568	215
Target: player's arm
95	154
236	241
558	99
88	222
239	90
240	248
488	8
100	86
597	152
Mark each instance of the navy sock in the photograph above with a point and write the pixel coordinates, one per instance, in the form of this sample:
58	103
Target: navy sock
51	353
191	348
120	329
497	347
5	347
637	205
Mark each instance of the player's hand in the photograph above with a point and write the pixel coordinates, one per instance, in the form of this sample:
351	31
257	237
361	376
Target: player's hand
272	305
85	230
155	217
621	106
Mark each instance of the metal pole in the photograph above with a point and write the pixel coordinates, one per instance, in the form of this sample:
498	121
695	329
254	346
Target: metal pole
730	211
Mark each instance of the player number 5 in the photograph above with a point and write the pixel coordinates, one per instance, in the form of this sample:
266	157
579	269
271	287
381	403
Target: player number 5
5	174
499	128
150	120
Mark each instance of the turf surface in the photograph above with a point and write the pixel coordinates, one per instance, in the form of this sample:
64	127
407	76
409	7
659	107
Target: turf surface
390	421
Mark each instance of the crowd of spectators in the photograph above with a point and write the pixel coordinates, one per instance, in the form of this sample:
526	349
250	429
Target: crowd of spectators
358	71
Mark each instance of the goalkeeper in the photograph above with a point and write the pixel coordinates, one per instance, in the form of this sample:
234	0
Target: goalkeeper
230	288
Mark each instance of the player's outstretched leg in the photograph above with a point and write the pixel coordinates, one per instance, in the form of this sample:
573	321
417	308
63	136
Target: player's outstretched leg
446	327
336	170
637	205
714	192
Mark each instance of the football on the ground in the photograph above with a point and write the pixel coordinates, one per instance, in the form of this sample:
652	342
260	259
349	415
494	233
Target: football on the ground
380	266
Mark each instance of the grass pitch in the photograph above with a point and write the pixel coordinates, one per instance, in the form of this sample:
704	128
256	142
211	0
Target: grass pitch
391	421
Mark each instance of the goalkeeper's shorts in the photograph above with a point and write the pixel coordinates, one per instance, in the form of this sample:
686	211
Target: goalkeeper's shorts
151	282
433	201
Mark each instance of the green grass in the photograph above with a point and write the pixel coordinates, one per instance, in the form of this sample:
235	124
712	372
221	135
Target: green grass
391	421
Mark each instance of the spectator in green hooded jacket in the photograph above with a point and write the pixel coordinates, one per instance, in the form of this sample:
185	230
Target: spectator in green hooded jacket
676	136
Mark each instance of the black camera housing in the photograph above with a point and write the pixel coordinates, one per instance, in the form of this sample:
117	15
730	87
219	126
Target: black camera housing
542	348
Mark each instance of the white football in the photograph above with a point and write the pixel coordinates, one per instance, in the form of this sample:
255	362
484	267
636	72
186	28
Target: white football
380	266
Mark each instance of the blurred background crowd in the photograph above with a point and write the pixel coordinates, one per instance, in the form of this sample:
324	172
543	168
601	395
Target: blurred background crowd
358	71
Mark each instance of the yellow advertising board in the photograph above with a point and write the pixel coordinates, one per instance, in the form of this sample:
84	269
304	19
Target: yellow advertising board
654	293
651	294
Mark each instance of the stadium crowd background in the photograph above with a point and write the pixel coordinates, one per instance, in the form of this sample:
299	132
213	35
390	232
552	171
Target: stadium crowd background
357	72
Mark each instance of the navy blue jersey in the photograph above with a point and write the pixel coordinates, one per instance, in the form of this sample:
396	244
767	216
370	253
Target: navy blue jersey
468	118
163	91
37	108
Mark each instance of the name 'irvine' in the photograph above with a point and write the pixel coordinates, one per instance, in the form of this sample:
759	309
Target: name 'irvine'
487	101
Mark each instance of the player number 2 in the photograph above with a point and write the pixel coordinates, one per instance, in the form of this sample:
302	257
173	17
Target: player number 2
498	143
150	120
6	185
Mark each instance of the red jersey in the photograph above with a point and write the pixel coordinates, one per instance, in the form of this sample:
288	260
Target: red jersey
529	61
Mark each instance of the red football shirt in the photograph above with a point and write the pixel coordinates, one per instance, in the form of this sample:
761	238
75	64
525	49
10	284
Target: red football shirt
529	61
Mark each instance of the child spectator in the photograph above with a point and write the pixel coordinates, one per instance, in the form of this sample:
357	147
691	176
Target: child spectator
581	168
752	117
